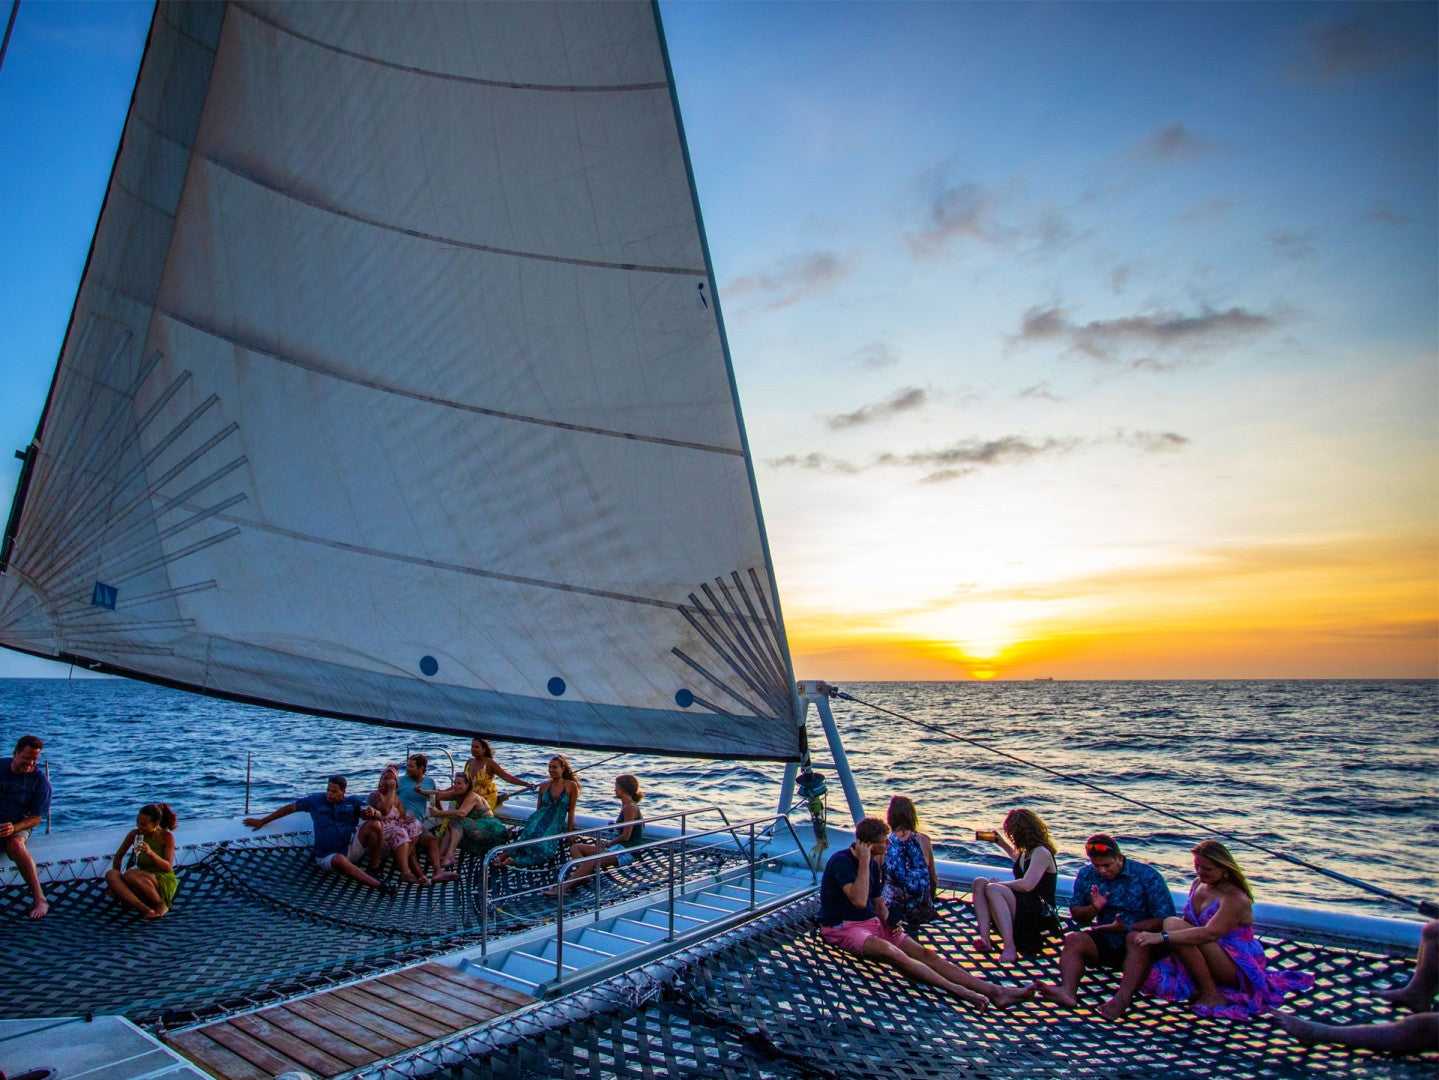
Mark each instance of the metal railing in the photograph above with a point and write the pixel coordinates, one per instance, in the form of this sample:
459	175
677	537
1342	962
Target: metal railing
668	845
484	900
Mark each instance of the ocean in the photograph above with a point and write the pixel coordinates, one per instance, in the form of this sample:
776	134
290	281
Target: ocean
1339	773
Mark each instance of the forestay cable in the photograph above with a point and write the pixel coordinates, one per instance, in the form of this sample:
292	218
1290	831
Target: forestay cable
1424	907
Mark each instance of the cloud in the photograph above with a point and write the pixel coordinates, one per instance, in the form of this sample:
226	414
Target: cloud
906	399
1172	144
795	278
1207	211
1294	246
967	456
1386	214
1376	39
1119	277
813	462
1040	391
1108	341
953	210
875	355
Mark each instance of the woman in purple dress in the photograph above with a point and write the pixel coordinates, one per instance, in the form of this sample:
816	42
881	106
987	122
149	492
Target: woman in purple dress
1216	963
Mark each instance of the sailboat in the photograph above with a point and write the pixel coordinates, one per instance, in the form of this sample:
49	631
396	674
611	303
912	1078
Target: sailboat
397	390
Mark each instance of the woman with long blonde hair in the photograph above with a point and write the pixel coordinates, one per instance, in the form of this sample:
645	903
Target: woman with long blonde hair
1022	909
1216	963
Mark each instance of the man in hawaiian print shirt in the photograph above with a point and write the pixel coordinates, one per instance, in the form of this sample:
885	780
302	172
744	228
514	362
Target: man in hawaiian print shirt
1130	896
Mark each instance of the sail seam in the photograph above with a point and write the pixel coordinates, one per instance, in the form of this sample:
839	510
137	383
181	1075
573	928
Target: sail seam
504	84
420	234
432	399
436	564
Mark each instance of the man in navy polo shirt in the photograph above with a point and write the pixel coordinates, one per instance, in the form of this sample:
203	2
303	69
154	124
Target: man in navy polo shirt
24	802
852	917
335	817
1130	897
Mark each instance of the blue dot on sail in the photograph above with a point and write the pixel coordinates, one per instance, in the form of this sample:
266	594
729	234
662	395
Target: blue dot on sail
429	665
556	686
684	699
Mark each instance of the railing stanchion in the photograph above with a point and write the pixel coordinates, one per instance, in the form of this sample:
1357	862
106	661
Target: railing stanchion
751	865
47	805
560	928
248	756
684	849
484	907
671	864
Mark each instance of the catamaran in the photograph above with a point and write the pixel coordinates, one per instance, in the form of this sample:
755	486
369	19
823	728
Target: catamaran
396	389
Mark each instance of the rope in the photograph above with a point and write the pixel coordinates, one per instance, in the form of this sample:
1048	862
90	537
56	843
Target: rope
1424	907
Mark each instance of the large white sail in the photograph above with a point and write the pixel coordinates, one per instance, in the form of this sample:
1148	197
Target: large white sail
396	389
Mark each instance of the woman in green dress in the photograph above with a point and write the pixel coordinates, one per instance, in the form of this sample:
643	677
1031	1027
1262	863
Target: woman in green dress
473	825
554	815
149	884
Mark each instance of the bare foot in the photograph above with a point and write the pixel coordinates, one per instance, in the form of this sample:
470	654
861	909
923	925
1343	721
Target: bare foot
979	1001
1305	1031
982	944
1207	1001
1008	956
1005	996
444	875
157	913
1057	994
1405	997
1115	1007
412	879
40	910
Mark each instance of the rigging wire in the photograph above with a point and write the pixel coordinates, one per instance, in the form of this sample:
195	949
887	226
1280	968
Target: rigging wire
1424	907
9	28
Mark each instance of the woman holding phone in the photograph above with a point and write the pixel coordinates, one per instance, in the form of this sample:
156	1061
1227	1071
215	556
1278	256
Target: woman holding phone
1023	909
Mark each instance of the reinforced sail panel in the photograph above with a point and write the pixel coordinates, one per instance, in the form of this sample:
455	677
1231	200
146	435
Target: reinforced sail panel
396	389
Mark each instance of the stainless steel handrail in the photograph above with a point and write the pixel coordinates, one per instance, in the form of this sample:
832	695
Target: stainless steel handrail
670	842
484	901
410	751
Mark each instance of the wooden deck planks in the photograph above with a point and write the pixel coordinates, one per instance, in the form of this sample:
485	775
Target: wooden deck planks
348	1027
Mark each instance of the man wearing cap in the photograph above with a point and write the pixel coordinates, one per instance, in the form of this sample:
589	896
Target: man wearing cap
1129	897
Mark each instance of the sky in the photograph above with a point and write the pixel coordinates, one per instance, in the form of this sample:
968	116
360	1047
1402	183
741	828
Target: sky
1073	340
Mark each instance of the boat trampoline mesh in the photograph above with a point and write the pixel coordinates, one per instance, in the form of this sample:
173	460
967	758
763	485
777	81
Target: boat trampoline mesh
785	1004
253	924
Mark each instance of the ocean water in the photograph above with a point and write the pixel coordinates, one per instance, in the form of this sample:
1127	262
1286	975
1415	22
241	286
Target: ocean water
1342	774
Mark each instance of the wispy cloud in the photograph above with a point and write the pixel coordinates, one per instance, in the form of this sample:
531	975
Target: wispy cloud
1040	391
1386	214
952	210
906	399
875	355
1114	341
795	278
1294	246
1206	212
813	462
1375	39
1174	143
967	456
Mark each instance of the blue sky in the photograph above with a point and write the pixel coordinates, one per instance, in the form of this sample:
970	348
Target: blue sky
1078	339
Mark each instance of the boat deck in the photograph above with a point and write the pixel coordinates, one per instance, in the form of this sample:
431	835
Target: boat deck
783	1003
342	1029
255	926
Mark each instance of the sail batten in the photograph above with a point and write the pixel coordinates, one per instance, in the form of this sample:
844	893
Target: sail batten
396	390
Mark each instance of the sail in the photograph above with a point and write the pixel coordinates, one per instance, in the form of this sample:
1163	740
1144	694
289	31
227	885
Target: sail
396	389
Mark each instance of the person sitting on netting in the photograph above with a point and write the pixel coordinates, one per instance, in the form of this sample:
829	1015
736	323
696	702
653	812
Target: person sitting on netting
1417	1034
400	831
149	884
335	818
24	803
611	852
911	885
1216	963
1022	909
482	769
554	814
1129	896
852	917
415	789
474	829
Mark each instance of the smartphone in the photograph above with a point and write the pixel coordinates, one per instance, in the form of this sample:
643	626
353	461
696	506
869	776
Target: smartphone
986	834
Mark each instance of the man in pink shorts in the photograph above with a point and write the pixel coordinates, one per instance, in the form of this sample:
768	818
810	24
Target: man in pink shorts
852	917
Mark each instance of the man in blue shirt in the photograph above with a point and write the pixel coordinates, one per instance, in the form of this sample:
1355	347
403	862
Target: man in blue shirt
24	802
852	917
1131	897
335	817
